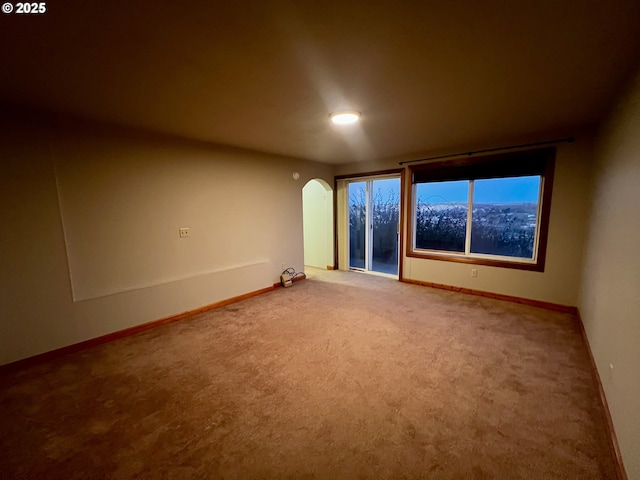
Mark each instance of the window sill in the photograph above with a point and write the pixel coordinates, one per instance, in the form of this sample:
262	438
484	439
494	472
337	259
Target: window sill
517	265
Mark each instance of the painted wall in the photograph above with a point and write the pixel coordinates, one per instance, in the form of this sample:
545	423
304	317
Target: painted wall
342	224
317	204
559	282
90	217
610	290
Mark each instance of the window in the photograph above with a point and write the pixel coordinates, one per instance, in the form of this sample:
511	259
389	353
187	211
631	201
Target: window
489	210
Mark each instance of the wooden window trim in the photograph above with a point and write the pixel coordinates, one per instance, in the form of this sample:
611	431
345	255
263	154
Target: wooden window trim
466	164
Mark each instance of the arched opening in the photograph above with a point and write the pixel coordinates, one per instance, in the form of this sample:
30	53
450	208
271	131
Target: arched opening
317	219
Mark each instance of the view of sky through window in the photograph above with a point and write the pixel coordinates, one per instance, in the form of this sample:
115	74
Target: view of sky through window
494	191
507	190
444	192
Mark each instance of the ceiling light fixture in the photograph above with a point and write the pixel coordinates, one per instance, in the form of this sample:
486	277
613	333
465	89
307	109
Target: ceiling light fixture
345	117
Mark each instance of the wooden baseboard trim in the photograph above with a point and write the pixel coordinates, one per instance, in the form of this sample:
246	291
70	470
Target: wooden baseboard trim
621	473
509	298
110	337
330	267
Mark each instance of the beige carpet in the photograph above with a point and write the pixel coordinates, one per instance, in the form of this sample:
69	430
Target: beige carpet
342	376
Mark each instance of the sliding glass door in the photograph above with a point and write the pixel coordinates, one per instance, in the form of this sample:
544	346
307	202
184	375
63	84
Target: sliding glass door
358	213
374	216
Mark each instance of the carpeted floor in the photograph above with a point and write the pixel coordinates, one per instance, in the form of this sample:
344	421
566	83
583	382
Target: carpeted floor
342	376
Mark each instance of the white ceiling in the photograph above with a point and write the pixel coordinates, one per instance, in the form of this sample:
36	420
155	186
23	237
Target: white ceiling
265	75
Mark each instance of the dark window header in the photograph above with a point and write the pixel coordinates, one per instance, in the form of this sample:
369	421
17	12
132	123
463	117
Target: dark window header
513	164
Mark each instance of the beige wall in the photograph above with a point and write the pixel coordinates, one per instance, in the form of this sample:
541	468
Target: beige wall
610	291
559	282
90	218
342	224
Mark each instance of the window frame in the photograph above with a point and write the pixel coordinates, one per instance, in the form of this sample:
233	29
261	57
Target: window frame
513	164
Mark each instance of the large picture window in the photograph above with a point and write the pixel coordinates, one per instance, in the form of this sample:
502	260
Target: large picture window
489	210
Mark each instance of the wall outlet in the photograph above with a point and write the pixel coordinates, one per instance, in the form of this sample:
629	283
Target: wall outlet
474	272
184	232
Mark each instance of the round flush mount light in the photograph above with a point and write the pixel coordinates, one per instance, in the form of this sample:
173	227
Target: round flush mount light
345	117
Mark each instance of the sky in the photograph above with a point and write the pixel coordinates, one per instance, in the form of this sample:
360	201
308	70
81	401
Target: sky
385	187
496	190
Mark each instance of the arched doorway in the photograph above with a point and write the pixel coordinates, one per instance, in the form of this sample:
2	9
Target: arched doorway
317	219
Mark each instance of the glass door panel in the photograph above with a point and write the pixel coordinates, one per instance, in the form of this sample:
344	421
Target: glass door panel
374	215
357	225
385	218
